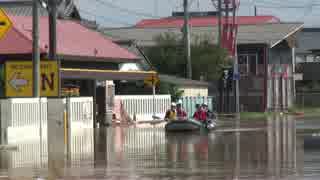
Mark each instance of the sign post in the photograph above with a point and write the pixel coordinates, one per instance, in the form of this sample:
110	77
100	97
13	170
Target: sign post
152	81
5	23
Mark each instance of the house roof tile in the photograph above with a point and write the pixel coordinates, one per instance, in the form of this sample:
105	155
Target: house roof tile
72	40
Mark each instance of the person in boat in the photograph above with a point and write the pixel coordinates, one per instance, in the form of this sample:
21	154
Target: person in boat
181	113
210	116
171	113
200	114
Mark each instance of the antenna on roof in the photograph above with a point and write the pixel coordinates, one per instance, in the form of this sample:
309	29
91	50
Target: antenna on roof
255	11
156	7
198	4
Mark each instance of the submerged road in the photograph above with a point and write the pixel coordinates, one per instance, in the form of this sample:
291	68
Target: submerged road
270	149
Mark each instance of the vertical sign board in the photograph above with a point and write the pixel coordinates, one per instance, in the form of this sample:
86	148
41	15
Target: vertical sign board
19	81
49	79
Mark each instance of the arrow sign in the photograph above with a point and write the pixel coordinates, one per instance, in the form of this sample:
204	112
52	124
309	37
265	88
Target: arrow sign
151	80
17	82
5	23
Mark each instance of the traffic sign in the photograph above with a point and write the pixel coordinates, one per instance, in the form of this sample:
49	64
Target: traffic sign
5	23
151	80
236	76
19	79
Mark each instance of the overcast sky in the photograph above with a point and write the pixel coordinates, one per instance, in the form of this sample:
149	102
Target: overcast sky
115	13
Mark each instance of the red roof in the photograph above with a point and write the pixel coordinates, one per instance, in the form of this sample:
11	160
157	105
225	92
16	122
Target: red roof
72	40
203	21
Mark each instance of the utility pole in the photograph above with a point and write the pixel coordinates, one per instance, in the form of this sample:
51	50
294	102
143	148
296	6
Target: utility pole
35	49
52	8
186	36
219	22
235	65
52	4
255	11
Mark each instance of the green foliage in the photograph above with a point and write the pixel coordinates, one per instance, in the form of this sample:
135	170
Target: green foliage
173	90
168	57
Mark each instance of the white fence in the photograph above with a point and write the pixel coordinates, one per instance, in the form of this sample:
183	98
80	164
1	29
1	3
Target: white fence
142	105
80	112
20	117
19	112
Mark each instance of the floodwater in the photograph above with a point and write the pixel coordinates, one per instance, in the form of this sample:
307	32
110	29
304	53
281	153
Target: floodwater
277	148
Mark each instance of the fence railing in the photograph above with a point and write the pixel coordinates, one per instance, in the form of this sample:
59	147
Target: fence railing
19	112
22	118
80	111
141	106
189	103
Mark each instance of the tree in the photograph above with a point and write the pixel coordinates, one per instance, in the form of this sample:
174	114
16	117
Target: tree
173	90
168	57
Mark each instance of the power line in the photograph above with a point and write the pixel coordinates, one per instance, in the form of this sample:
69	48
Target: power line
105	18
125	10
277	4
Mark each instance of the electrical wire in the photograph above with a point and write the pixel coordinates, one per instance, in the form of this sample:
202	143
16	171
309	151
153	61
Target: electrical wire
125	10
104	18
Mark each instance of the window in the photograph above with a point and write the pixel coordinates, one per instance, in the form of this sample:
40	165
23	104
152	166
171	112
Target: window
248	64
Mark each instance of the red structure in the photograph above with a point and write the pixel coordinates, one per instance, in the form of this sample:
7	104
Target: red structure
229	25
203	21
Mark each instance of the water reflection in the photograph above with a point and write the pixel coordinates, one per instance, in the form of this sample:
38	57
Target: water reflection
268	152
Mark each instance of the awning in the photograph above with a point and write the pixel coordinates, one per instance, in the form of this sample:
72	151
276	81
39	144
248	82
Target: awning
95	74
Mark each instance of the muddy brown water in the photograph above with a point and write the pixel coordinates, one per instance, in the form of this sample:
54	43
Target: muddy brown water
249	150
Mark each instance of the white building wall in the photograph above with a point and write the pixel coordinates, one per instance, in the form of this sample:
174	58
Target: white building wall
194	91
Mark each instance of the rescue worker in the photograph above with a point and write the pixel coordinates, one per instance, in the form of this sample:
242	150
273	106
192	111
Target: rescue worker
181	113
210	116
171	113
200	114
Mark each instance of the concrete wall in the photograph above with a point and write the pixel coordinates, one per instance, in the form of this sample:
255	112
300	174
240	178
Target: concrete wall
194	91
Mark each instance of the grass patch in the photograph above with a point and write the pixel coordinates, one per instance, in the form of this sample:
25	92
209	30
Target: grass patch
255	115
308	111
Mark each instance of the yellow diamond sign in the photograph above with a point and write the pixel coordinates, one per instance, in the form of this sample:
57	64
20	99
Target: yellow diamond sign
5	23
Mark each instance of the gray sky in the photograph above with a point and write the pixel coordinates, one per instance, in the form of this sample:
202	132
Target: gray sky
115	13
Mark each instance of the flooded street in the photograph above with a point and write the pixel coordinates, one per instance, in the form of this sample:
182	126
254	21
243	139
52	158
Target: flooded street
272	149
